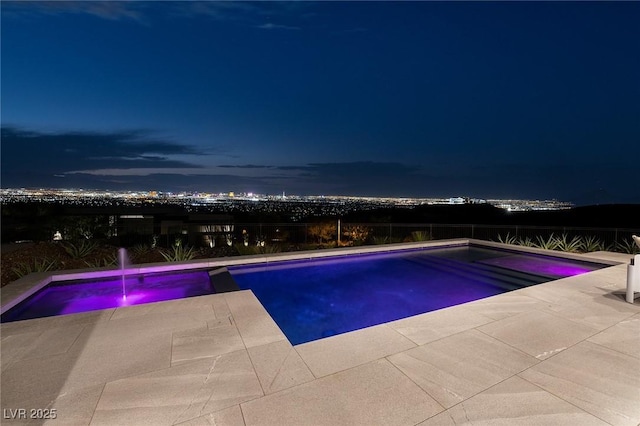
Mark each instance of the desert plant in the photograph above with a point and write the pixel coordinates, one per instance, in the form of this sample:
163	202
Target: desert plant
140	249
37	265
80	249
564	244
380	240
508	239
420	236
550	243
268	249
322	232
358	234
526	242
591	243
105	261
178	253
627	246
257	249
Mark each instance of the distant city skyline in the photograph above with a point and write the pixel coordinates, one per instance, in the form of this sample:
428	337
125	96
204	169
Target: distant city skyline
332	204
502	100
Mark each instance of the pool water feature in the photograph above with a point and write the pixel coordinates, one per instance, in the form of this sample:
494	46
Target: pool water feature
314	299
72	297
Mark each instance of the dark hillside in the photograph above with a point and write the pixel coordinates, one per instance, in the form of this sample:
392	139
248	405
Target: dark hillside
605	216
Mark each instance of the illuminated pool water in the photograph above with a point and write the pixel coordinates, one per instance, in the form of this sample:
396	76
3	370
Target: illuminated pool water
313	299
83	296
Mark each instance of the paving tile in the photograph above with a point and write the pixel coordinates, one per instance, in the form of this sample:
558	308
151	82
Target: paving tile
100	355
504	305
198	304
231	416
435	325
12	347
221	322
599	312
372	394
40	324
179	393
279	366
38	344
457	367
220	307
69	408
53	341
537	333
164	320
623	337
580	288
255	325
205	342
601	381
514	402
337	353
76	407
42	383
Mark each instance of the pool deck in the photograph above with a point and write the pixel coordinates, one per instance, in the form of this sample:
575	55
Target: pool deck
564	352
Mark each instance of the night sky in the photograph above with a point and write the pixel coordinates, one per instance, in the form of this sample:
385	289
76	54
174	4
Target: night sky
423	99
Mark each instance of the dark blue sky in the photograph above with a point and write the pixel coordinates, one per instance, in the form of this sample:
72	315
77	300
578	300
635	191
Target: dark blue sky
484	99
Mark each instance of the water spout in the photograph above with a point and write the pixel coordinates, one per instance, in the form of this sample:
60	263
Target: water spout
123	262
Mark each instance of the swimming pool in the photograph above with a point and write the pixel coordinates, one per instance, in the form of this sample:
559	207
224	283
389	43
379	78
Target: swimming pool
319	297
313	299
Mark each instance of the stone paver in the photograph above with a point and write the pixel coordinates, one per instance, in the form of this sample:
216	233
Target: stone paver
601	381
279	366
537	333
372	394
458	367
337	353
432	326
514	402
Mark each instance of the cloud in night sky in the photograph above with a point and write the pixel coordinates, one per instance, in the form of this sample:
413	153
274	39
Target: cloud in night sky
61	153
110	10
271	26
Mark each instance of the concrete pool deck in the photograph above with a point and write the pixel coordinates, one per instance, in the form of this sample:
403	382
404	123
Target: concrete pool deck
563	352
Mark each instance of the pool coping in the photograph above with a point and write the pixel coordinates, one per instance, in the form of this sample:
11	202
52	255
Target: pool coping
21	289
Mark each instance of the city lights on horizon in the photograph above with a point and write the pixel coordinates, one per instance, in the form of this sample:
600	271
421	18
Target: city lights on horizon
213	198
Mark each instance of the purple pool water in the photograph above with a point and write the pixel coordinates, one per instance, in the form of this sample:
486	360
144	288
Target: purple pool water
84	296
314	299
318	298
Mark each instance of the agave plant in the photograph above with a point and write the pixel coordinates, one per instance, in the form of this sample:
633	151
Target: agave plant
380	240
140	249
627	246
268	249
526	242
178	253
80	249
508	239
550	243
420	236
106	261
42	265
591	243
564	244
